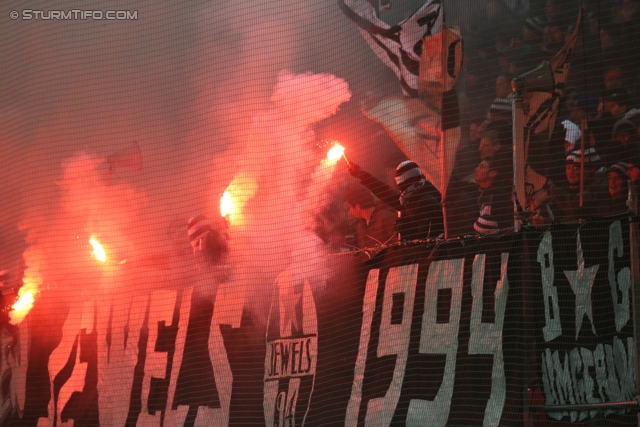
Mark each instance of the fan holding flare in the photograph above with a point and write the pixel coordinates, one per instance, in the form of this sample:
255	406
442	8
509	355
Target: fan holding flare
420	213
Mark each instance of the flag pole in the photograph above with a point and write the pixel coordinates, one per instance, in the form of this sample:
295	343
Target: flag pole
635	264
517	115
581	162
443	151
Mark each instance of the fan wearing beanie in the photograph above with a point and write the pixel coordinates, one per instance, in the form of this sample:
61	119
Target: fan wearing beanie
420	212
209	245
566	195
619	175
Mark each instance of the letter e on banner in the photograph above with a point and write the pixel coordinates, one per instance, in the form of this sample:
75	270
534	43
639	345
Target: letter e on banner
161	309
118	338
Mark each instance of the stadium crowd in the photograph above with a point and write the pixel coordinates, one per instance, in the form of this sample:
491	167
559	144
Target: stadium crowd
599	111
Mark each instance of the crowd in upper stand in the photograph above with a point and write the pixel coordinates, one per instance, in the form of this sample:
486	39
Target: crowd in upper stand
599	111
600	100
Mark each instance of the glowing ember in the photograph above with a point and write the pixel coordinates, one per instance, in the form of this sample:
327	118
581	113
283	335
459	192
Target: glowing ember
98	250
335	152
227	205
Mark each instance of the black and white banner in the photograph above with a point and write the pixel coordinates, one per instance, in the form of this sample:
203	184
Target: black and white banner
291	354
586	349
452	335
431	350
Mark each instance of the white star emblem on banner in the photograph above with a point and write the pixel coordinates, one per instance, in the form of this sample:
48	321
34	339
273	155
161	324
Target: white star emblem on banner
581	282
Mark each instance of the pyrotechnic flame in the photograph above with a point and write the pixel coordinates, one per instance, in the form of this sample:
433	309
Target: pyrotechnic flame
98	250
227	205
241	189
24	304
335	152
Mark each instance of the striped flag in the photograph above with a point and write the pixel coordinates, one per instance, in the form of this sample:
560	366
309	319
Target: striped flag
543	105
427	127
398	46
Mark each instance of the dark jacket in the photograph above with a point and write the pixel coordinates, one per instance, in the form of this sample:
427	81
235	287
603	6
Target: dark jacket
420	214
496	211
566	198
381	227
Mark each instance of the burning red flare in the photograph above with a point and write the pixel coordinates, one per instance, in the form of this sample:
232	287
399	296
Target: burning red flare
227	205
98	250
24	304
335	152
232	202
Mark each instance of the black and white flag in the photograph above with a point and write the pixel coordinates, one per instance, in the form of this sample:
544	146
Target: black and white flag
544	106
398	46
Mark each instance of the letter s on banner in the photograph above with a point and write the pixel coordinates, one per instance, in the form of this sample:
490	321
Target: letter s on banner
227	310
161	309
